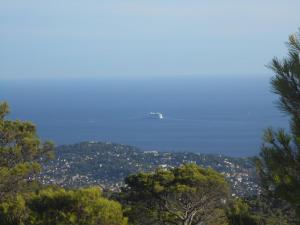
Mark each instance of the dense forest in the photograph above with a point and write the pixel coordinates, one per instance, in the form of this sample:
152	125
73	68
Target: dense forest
186	194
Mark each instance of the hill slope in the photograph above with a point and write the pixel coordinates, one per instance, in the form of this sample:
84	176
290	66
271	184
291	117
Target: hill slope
107	164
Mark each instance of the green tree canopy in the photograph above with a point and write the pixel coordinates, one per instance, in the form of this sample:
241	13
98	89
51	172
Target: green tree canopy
20	151
185	195
279	161
57	206
258	211
74	207
239	214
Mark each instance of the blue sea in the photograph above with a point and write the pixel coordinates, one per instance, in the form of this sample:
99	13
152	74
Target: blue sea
203	114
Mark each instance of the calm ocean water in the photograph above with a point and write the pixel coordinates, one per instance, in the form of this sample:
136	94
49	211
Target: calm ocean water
202	114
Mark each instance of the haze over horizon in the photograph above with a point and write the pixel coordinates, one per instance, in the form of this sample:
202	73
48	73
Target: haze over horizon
80	39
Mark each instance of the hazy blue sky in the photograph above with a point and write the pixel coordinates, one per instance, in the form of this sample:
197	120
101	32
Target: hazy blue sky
94	38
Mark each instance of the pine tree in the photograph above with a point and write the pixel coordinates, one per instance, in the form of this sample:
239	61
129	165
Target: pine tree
279	161
21	150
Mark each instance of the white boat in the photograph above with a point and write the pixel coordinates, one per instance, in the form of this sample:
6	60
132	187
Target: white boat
156	115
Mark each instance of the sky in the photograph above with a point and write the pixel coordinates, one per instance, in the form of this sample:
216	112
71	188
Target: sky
97	38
